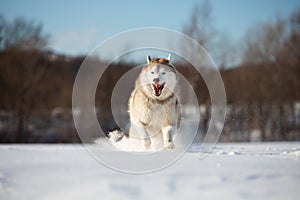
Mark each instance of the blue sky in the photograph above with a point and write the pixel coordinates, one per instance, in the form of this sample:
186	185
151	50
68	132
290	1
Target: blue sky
76	27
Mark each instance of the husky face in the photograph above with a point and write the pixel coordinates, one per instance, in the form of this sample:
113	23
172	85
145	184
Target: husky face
158	79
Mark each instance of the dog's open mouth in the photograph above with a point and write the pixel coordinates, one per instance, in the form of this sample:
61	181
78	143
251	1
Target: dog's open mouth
158	88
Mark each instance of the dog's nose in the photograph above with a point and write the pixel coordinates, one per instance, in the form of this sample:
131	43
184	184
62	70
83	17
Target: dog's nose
156	80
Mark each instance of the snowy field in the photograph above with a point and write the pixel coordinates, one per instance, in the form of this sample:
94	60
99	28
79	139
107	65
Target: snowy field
231	171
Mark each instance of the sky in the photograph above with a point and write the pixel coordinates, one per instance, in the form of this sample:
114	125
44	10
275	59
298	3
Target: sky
76	27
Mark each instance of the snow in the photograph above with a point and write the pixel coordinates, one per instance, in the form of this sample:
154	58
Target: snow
118	140
230	171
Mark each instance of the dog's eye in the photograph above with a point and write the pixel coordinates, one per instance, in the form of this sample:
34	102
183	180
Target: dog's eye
152	72
163	73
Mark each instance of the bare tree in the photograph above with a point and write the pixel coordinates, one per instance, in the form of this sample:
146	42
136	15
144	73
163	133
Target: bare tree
263	44
200	25
23	66
201	28
22	34
226	53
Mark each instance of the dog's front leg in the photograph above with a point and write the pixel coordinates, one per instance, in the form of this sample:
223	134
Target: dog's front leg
142	133
168	133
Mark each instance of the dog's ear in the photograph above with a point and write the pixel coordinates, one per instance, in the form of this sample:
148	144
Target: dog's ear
148	59
169	57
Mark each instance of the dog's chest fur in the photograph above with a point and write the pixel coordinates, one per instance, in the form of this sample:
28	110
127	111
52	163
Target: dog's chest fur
161	113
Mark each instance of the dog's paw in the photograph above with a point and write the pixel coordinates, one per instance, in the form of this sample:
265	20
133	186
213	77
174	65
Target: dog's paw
115	136
169	145
147	142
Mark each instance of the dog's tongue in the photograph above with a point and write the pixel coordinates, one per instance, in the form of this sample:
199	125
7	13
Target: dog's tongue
157	89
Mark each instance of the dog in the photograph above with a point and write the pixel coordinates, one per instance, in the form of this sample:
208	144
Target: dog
153	107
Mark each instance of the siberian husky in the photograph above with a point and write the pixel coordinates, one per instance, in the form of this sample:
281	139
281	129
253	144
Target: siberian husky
153	106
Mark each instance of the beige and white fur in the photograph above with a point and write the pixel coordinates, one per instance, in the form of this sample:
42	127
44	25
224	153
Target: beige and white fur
154	105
